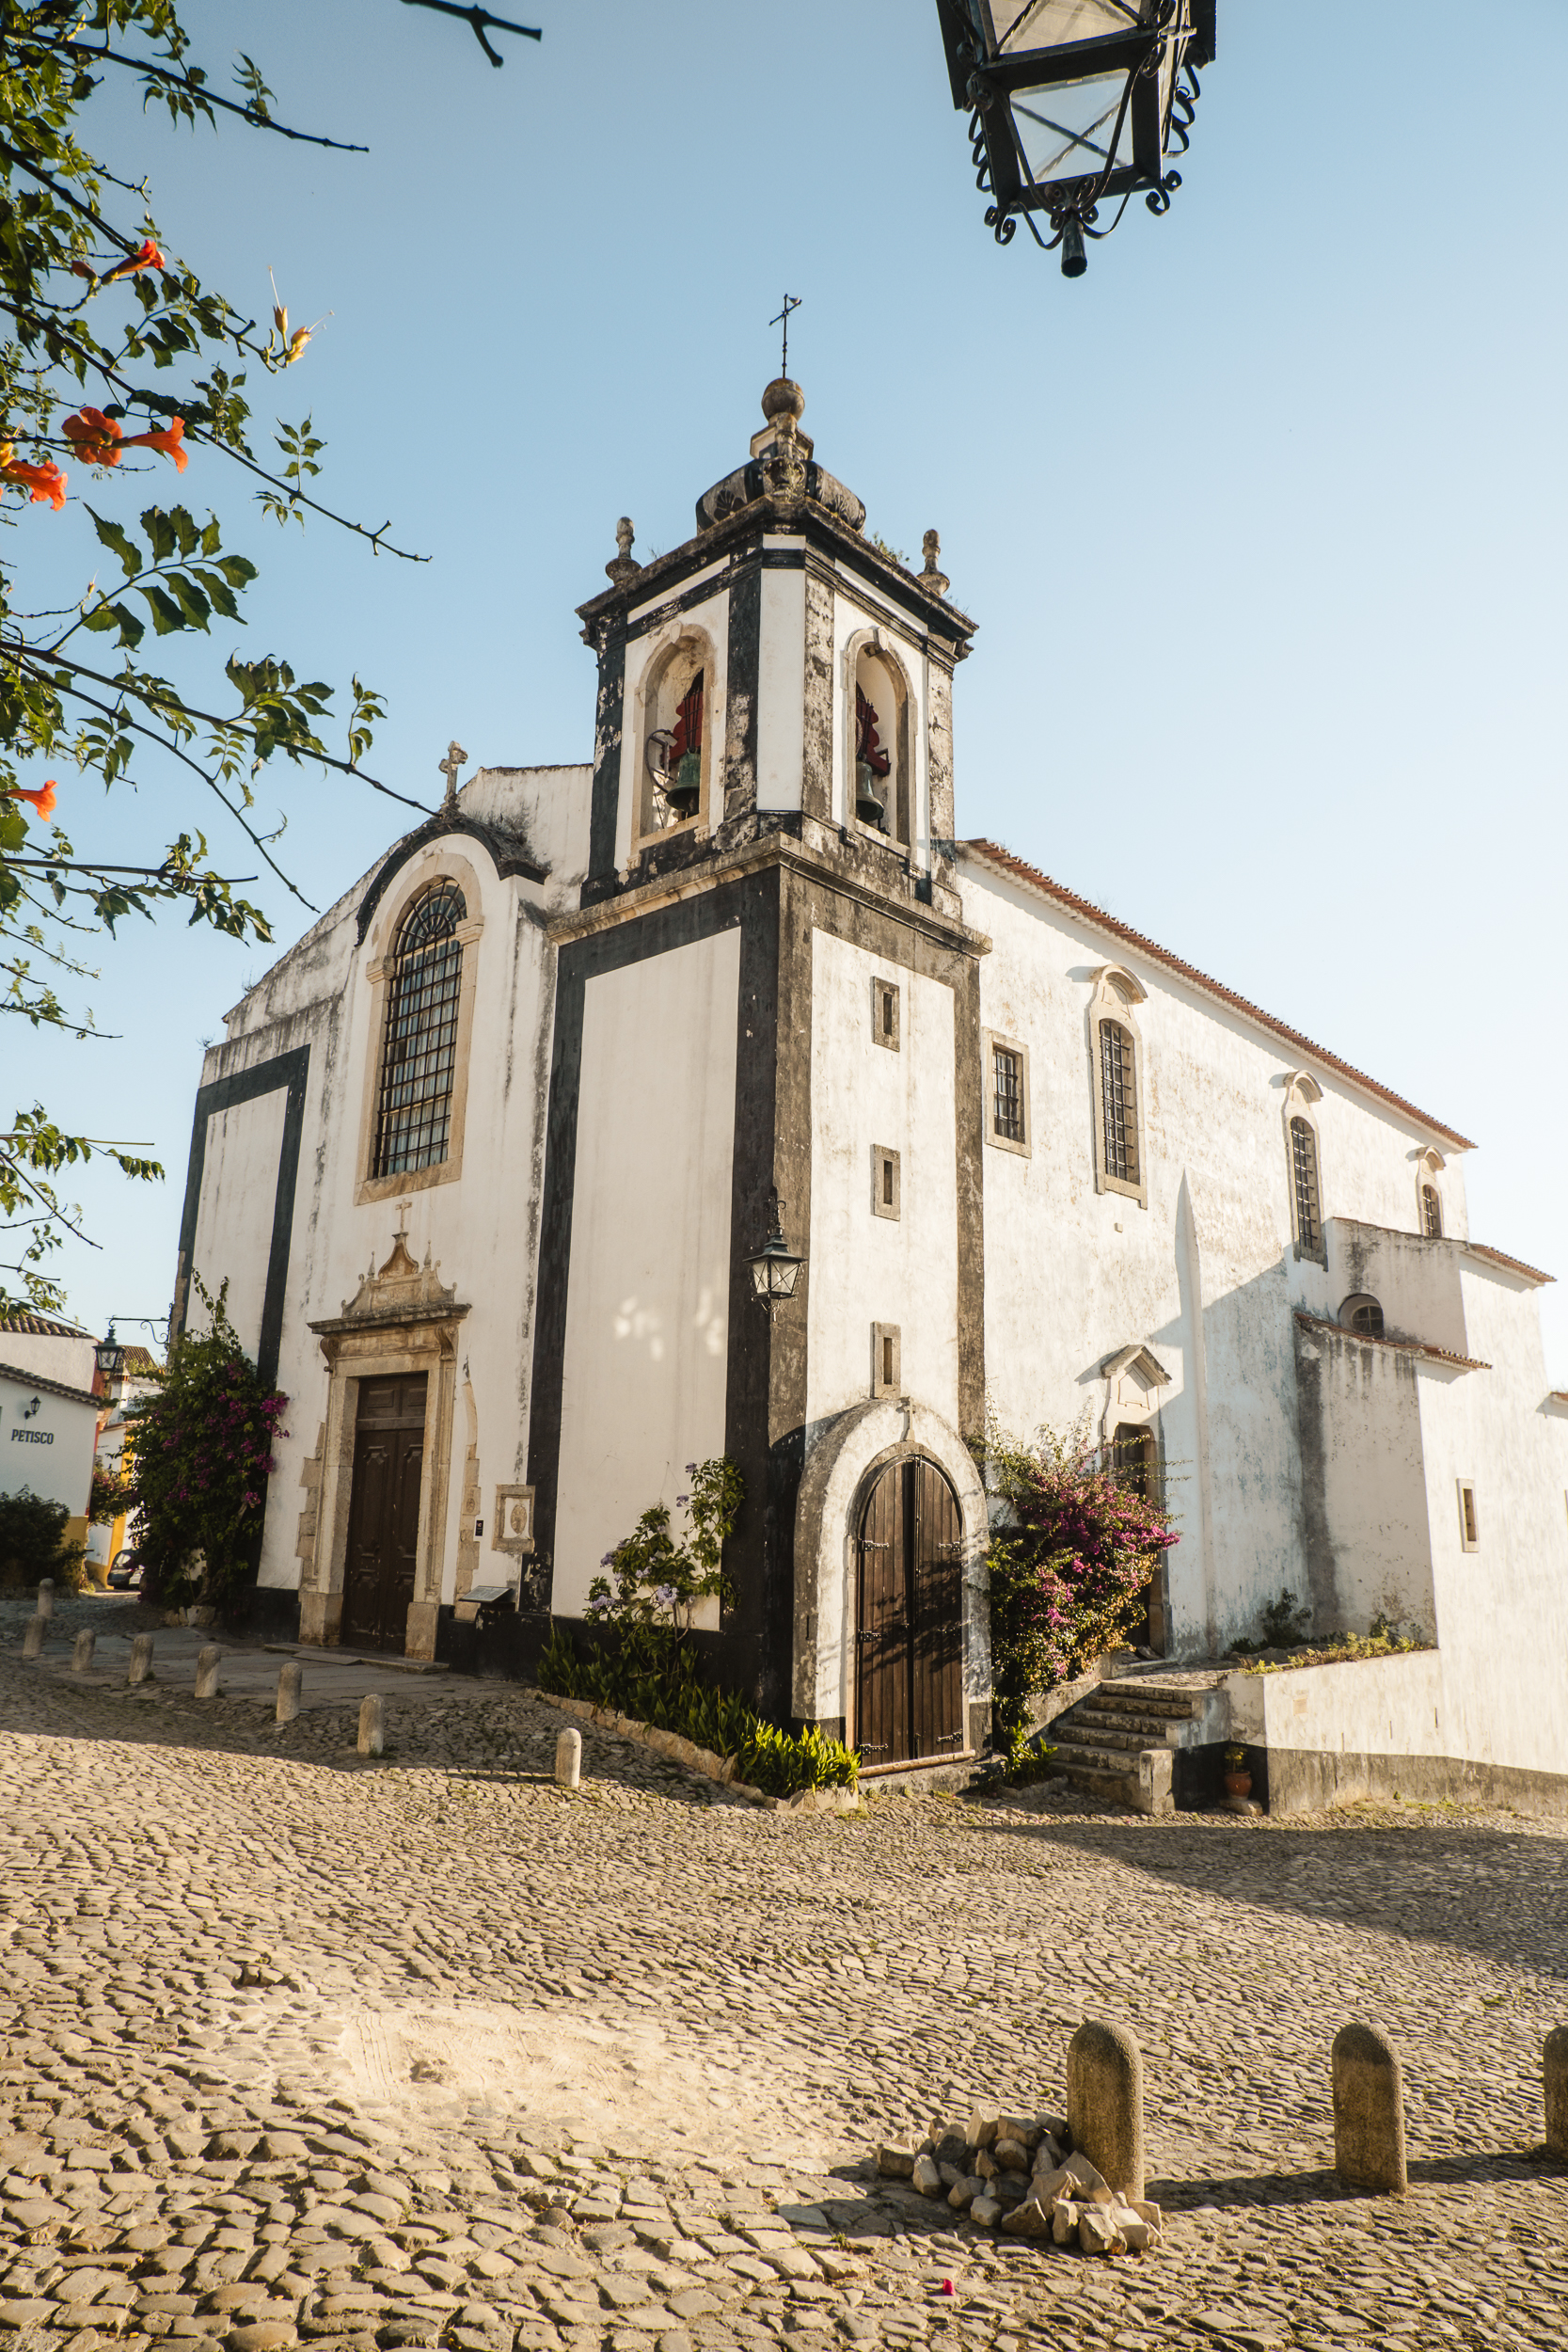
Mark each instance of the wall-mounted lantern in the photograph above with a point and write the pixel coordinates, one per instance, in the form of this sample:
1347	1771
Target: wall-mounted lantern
774	1268
1075	103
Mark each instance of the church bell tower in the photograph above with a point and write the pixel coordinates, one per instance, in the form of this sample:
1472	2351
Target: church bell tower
770	956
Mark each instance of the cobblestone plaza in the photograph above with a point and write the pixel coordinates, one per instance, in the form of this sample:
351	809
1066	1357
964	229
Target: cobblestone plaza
428	2052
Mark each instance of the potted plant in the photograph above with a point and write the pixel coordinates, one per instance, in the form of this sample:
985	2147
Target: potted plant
1238	1780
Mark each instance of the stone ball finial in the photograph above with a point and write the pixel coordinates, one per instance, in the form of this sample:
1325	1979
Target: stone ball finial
783	398
933	579
624	567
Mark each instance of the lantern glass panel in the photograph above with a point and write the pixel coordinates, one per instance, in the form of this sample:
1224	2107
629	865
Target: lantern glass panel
1010	25
1065	133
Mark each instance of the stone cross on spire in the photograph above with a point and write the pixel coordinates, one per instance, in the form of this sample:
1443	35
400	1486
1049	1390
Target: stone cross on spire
791	302
456	759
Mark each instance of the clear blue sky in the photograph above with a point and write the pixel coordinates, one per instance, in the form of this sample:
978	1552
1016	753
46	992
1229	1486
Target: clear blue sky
1262	521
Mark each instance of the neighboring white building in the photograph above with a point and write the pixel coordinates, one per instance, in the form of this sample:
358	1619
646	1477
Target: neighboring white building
484	1159
139	1376
48	1414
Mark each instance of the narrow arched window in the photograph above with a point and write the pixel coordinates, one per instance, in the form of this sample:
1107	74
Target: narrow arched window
1431	1213
1118	1102
1304	1171
419	1055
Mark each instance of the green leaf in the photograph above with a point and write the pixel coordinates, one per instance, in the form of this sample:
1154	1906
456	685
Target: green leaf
112	536
166	615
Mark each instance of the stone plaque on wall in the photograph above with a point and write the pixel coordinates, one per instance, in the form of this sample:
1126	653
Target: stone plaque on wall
511	1528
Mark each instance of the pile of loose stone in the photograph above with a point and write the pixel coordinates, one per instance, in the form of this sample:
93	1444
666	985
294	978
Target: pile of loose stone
1022	2175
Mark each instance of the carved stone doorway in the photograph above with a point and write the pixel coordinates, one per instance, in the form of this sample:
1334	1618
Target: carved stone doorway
384	1512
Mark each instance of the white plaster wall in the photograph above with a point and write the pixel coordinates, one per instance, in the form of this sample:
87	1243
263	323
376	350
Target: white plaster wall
58	1356
852	615
49	1450
233	1224
1415	1282
1205	1276
1362	1419
647	1300
1392	1705
865	1268
712	618
782	688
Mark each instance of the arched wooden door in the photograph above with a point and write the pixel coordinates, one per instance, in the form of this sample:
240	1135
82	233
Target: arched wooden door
908	1622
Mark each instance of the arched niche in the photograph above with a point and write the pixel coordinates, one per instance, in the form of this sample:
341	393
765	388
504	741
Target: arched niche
877	682
677	723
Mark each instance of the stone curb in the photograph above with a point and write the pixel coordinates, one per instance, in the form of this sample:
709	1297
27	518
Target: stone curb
703	1760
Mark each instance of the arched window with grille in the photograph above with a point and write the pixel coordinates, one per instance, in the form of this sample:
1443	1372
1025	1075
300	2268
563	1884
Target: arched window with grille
1118	1102
1117	1063
1431	1213
1303	1178
419	1055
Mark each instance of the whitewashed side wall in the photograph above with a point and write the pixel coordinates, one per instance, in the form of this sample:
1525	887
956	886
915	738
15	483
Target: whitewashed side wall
1205	1276
781	684
49	1451
1502	1609
1361	1434
59	1356
867	1268
647	1298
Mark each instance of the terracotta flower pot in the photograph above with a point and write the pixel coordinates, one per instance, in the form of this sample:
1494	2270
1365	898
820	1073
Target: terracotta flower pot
1238	1784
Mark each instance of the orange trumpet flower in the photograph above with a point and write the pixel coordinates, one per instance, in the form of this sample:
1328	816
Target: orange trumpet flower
45	482
146	255
94	437
169	440
42	800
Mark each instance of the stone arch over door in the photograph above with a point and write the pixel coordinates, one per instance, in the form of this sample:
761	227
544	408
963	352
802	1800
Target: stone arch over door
844	1457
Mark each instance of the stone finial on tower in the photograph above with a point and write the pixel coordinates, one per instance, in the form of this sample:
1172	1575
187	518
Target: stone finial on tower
625	568
452	768
934	581
783	460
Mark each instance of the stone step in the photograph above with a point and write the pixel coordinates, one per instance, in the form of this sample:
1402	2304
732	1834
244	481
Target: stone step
1075	1756
1115	1788
1146	1698
1147	1731
1083	1735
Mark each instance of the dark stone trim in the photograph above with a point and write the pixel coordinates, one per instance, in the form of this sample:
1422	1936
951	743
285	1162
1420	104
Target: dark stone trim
508	852
604	805
743	665
243	1085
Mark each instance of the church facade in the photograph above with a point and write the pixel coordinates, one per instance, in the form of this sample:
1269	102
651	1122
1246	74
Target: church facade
489	1159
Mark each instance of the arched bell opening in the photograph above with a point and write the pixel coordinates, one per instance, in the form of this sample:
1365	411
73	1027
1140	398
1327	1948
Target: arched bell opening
908	1682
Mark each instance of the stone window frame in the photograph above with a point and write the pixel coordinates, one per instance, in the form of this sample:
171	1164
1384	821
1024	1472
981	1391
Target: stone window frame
1302	1094
876	640
885	1336
887	1197
437	864
1430	1165
1469	1515
992	1041
1117	993
688	638
887	997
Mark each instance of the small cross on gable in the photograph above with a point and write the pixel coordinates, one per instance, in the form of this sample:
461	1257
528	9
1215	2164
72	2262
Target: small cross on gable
455	760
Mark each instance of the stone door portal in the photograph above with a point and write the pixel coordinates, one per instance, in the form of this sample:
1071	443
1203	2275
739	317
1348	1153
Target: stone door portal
383	1511
909	1629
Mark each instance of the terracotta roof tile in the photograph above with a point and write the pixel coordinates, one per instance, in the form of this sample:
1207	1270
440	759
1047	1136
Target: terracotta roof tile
1403	1347
1021	871
42	1326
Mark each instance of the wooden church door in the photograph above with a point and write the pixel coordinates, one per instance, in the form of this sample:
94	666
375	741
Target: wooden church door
384	1512
908	1629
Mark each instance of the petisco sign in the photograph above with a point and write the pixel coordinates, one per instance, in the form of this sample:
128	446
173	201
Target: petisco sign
32	1437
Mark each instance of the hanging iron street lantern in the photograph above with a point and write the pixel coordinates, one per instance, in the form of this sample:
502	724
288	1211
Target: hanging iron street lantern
774	1268
1074	104
109	1356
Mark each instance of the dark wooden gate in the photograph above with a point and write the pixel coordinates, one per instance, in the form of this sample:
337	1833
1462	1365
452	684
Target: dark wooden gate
384	1512
909	1629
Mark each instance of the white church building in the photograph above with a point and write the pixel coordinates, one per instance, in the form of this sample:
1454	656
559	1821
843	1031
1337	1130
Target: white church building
486	1156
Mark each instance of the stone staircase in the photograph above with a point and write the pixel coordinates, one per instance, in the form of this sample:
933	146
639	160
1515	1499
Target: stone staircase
1117	1743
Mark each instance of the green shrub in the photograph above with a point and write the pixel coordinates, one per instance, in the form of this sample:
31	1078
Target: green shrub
32	1542
643	1663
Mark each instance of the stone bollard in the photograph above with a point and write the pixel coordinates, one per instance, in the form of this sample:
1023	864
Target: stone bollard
568	1759
81	1656
46	1597
289	1680
1557	2091
207	1664
32	1641
373	1725
1105	2104
1369	2110
141	1660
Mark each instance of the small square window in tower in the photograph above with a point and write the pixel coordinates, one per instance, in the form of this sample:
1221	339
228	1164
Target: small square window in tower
886	1180
1007	1106
1469	1518
886	1368
885	1014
